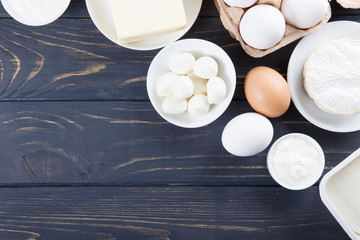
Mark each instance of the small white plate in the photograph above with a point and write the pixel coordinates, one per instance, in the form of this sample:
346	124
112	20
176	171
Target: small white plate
305	105
198	48
100	13
31	18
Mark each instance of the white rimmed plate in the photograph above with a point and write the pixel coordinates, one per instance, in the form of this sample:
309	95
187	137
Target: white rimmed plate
305	105
26	14
100	13
198	48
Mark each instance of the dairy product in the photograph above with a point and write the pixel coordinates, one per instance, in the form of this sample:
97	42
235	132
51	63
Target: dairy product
164	84
173	105
296	161
216	90
198	104
206	67
182	87
182	63
35	12
343	190
332	76
142	19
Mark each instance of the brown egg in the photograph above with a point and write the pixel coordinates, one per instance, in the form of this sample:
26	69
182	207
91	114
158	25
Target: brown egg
267	92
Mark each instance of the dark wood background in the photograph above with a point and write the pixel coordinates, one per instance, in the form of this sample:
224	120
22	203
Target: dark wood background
85	156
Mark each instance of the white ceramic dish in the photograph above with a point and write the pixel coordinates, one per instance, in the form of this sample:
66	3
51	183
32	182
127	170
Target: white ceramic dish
198	48
272	172
305	105
59	7
100	13
326	200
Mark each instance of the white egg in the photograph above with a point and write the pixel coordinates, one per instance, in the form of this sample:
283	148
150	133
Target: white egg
172	105
240	3
182	63
199	83
247	134
216	90
304	13
206	67
198	105
182	87
262	26
164	83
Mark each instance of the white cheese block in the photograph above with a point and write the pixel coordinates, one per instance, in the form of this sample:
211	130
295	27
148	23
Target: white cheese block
137	20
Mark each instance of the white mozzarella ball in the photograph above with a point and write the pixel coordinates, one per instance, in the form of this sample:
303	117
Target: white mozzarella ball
262	26
304	13
164	83
199	83
206	67
240	3
198	105
216	90
172	105
182	63
182	87
247	134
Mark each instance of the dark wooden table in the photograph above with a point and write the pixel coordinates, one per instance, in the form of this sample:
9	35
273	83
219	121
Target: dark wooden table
85	156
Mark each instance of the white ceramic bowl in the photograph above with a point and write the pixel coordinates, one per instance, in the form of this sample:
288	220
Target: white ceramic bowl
100	13
198	48
58	7
304	104
316	175
325	198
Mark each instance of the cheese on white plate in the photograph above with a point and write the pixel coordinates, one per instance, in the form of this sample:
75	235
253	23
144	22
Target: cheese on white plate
137	20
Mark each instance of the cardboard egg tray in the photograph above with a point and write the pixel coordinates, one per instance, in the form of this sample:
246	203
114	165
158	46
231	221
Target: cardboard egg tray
355	4
230	18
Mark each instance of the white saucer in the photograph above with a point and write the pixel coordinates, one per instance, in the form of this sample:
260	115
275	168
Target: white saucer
100	13
305	105
58	7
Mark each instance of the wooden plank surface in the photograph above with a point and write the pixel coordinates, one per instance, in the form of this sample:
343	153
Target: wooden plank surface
85	156
163	213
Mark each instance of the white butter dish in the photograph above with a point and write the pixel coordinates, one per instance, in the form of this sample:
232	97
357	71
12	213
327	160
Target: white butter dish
327	181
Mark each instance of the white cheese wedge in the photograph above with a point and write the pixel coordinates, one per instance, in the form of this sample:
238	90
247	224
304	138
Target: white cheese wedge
137	20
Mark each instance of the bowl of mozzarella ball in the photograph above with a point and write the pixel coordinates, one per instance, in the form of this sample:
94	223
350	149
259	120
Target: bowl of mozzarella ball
191	82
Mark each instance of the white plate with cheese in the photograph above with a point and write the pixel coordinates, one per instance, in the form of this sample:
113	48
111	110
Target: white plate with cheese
305	105
101	12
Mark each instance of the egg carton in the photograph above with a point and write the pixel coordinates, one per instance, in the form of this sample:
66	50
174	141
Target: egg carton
354	4
230	18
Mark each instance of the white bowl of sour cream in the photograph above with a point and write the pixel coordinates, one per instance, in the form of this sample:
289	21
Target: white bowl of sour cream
296	161
35	12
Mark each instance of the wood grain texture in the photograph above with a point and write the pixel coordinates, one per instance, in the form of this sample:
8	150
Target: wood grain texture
74	111
109	213
129	143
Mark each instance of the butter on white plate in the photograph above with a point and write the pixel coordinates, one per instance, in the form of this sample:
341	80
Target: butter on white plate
137	20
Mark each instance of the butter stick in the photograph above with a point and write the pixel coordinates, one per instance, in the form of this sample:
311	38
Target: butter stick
137	20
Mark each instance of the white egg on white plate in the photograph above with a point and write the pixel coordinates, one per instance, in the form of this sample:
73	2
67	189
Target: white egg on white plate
247	134
262	26
240	3
305	13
